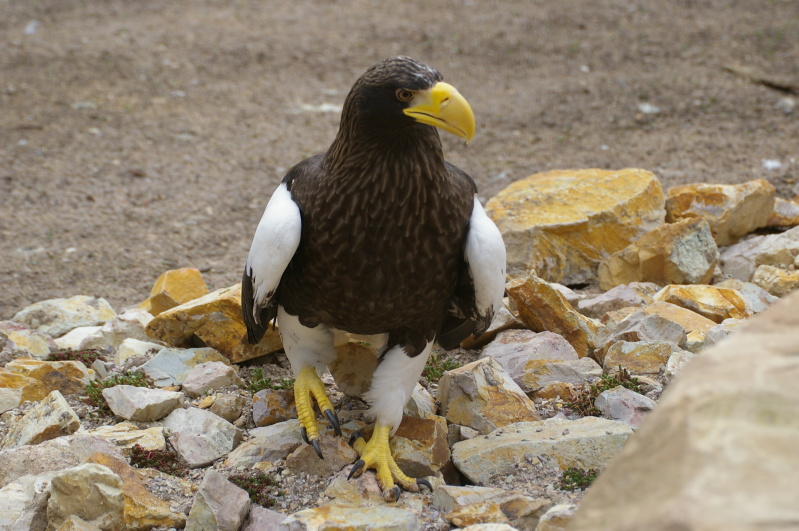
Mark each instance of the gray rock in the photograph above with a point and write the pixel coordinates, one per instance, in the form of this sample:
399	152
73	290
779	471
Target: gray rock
756	298
134	352
207	376
200	437
171	366
262	519
23	503
50	418
720	449
56	317
720	331
640	326
520	510
56	454
92	492
141	404
739	260
622	296
337	452
228	407
514	349
677	361
219	505
624	405
588	442
18	341
383	518
270	443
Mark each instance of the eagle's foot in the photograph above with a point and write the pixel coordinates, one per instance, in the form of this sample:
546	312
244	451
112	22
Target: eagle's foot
309	385
376	455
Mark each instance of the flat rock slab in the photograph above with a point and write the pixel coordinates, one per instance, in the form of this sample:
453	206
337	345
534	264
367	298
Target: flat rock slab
208	376
719	450
352	518
171	366
562	223
141	404
56	317
67	377
587	443
200	437
126	435
624	405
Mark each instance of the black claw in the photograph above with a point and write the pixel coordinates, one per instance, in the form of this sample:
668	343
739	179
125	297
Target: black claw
304	435
354	437
424	483
317	448
359	464
393	494
331	416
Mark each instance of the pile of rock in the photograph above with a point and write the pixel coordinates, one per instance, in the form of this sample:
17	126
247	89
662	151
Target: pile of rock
658	278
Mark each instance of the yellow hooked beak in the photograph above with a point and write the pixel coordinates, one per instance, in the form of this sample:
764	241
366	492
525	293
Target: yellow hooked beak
443	106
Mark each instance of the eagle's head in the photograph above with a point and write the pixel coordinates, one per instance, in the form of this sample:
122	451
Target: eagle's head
400	95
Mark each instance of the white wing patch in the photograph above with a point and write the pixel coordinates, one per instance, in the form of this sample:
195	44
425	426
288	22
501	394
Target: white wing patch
274	244
485	254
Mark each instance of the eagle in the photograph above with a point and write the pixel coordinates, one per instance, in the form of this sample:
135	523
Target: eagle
377	236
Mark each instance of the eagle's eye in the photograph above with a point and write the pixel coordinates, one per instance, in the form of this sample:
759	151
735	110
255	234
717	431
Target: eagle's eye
404	94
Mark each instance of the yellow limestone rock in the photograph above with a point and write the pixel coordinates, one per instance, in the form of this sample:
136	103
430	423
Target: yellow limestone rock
676	253
562	223
779	282
731	211
68	377
356	360
786	213
692	322
712	302
173	288
142	509
17	388
215	321
543	308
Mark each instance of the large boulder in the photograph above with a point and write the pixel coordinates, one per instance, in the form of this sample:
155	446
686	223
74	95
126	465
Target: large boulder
562	223
719	450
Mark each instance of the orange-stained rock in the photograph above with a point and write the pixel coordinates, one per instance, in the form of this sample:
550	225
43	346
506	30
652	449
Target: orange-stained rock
731	210
562	223
173	288
543	308
777	281
270	406
641	357
482	396
16	389
419	446
712	302
356	360
142	509
786	214
68	377
676	253
213	320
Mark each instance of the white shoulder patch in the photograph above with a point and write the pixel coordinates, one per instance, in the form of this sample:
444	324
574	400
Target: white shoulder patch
485	254
274	244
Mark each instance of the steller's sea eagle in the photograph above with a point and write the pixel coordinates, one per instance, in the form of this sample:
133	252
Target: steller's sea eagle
379	235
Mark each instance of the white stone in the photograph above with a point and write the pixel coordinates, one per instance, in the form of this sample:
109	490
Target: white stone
219	505
421	403
92	492
269	443
141	404
677	361
557	518
171	366
208	376
134	352
624	405
56	317
200	437
73	339
23	503
50	418
383	518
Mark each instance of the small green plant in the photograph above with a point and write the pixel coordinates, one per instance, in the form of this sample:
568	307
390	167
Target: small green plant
94	391
162	460
576	478
436	367
259	485
259	383
584	396
86	356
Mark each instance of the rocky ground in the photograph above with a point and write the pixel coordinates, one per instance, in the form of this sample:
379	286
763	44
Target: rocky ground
159	414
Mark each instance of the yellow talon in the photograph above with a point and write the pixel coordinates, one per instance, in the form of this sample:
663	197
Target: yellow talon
376	455
307	385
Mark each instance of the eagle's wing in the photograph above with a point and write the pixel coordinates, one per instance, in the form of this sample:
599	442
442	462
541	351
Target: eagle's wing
479	293
273	246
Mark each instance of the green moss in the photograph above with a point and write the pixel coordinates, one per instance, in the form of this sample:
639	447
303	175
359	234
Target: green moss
576	478
162	460
260	486
259	383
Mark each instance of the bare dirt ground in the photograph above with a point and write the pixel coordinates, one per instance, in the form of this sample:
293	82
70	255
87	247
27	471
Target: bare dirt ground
141	136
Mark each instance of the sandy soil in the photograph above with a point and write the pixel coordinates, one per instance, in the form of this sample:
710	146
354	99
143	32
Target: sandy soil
141	136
